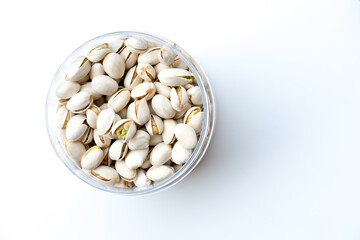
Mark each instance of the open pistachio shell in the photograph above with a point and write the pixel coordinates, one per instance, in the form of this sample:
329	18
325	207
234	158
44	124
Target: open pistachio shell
185	135
139	111
104	85
101	140
97	69
129	58
118	150
162	106
119	100
175	77
78	69
124	129
135	158
106	174
86	87
132	79
145	90
67	89
125	172
146	72
162	89
141	179
168	134
97	53
63	116
105	121
92	115
154	125
136	45
195	96
76	127
166	56
80	102
160	173
194	117
75	149
117	46
159	67
114	65
88	136
179	98
150	56
179	63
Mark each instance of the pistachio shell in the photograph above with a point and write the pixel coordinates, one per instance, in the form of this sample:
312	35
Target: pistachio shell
136	45
80	102
185	135
162	89
180	154
125	172
67	89
180	114
105	121
145	90
117	46
106	174
141	179
168	135
195	95
63	116
146	164
118	150
119	100
92	158
166	56
150	56
104	85
140	140
89	89
92	115
101	140
160	173
175	77
75	150
162	107
154	125
97	53
179	98
194	118
87	137
97	69
76	127
155	139
124	129
135	158
179	63
139	111
114	65
78	69
146	72
159	67
132	79
129	58
160	154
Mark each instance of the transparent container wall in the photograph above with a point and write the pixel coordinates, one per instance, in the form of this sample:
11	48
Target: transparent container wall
199	151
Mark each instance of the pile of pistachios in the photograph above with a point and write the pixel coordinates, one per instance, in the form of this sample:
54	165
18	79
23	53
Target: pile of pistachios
130	112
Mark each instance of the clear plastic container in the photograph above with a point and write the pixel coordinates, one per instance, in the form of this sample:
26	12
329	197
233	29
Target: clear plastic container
199	151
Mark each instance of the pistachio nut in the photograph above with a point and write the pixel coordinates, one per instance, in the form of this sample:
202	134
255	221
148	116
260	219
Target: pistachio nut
80	102
160	173
140	140
139	111
97	69
124	184
154	125
92	115
123	113
89	89
159	67
175	77
118	150
160	154
185	135
114	65
141	179
162	106
76	127
179	63
150	56
63	116
195	95
78	69
145	90
180	154
194	117
88	136
106	174
101	140
105	121
75	150
168	134
98	53
117	46
162	89
155	139
179	98
180	114
146	72
126	173
67	89
119	100
129	58
132	79
135	158
166	56
124	129
92	158
136	45
104	85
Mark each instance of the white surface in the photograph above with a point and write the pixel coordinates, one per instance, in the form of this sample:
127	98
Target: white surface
284	162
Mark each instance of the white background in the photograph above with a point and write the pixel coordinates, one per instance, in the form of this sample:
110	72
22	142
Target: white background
284	162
